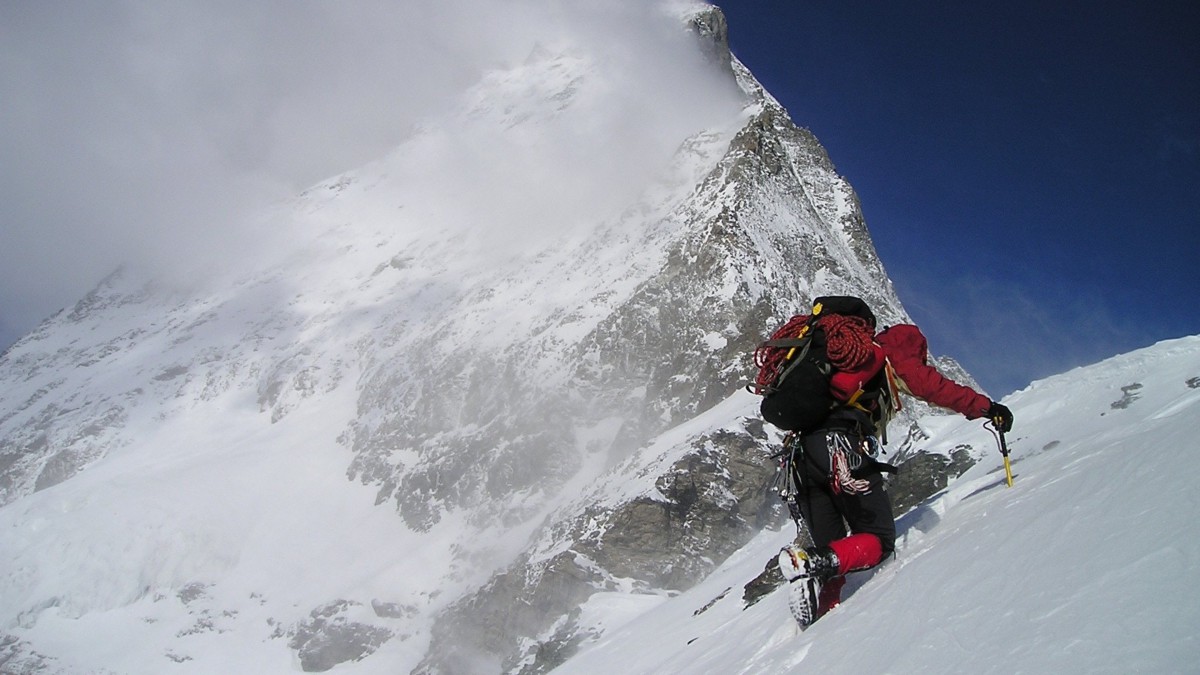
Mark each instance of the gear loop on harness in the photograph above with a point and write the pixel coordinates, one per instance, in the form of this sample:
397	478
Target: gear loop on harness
787	477
844	459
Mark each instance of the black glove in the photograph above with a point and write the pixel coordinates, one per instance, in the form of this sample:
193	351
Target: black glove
1000	416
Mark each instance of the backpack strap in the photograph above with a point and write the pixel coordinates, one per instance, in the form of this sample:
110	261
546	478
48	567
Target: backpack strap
787	342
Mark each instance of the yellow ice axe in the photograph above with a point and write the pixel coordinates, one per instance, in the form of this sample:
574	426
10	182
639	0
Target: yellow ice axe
1004	453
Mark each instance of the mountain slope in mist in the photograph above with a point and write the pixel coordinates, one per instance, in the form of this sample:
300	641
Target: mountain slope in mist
476	384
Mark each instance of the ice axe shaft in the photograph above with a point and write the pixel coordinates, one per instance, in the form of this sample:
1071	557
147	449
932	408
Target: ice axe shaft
1008	477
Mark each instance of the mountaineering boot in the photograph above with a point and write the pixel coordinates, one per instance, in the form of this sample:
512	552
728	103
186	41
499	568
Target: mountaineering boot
819	562
803	598
806	569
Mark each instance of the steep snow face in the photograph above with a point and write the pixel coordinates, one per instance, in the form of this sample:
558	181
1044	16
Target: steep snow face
1084	565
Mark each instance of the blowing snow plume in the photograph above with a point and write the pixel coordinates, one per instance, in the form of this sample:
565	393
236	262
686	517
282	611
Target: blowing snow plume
153	135
468	326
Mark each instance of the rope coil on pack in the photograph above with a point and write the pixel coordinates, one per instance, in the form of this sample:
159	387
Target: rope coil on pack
847	340
770	358
847	345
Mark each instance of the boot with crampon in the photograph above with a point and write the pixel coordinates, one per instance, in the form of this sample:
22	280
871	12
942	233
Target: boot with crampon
807	569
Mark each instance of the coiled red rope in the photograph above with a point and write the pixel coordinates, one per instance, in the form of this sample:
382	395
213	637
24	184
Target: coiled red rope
847	340
770	359
847	346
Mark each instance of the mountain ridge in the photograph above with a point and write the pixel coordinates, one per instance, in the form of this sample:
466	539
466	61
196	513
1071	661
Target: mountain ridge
419	408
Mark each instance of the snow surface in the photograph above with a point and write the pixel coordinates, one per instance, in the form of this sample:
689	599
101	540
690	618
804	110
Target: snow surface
1089	563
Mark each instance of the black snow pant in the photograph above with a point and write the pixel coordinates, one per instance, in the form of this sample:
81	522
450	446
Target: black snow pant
829	512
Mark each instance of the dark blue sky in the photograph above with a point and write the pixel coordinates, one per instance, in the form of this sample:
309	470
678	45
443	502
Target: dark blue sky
1029	171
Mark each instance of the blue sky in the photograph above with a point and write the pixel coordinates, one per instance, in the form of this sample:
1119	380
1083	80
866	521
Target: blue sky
1029	171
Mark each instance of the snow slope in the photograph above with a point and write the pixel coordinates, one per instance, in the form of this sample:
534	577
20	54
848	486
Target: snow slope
1089	563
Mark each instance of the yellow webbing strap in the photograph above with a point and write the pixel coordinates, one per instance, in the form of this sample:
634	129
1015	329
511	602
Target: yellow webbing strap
853	402
803	331
893	388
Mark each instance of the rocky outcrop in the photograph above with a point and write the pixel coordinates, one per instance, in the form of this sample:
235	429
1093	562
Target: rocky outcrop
702	508
330	636
925	474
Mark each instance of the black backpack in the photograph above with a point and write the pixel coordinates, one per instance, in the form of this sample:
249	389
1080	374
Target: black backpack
794	370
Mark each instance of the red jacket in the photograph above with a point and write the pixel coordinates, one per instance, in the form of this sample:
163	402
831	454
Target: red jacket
908	352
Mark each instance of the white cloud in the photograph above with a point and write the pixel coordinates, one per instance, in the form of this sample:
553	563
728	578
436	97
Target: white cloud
144	132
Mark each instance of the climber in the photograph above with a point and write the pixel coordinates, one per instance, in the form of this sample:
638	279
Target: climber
839	490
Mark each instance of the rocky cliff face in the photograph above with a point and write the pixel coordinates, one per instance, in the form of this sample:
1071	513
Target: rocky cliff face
769	228
555	424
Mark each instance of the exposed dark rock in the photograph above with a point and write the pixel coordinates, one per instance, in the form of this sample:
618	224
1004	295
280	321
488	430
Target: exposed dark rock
328	637
708	605
710	503
1130	393
925	474
762	585
17	657
192	592
711	27
393	610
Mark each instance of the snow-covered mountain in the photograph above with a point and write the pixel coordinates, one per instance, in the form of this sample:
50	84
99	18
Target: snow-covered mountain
469	398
